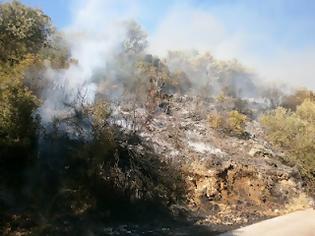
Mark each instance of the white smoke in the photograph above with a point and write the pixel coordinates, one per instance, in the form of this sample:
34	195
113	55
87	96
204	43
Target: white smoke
95	33
258	34
228	31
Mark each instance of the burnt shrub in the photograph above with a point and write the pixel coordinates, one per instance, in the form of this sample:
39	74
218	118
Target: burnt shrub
109	173
292	101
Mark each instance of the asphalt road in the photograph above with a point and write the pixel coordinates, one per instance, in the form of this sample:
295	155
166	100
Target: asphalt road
300	223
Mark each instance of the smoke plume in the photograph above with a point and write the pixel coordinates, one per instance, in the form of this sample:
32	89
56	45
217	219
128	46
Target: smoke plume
94	35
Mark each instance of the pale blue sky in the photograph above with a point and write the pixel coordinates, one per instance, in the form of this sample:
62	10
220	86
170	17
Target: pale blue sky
277	37
288	21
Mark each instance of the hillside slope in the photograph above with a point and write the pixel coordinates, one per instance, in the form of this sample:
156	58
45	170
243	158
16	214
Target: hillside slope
232	180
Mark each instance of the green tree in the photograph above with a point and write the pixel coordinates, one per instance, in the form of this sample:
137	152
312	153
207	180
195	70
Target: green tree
23	30
135	41
17	106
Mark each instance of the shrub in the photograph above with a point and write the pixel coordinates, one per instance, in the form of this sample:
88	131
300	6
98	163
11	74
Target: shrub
236	122
232	122
282	126
215	120
221	98
17	105
227	103
306	111
109	162
295	133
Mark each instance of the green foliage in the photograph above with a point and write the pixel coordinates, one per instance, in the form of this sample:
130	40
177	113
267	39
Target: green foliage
231	115
236	122
295	132
23	30
282	126
232	122
17	106
25	33
306	111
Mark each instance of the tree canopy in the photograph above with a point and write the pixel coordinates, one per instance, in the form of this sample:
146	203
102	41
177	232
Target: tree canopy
23	30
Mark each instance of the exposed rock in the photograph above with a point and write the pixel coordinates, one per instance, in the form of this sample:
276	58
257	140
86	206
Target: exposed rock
231	181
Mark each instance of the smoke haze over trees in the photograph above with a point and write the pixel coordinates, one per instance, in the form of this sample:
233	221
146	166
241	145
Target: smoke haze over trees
76	107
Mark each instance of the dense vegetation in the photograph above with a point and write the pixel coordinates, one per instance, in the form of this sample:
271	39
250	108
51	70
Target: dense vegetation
295	133
44	166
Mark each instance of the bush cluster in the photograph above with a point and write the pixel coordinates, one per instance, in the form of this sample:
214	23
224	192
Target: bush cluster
232	122
295	133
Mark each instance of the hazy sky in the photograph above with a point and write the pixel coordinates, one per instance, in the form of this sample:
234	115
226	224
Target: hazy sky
274	37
